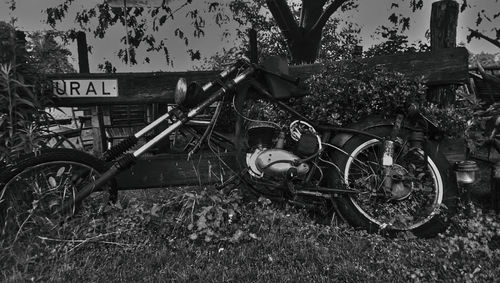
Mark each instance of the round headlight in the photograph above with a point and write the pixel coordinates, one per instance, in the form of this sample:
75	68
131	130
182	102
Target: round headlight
180	91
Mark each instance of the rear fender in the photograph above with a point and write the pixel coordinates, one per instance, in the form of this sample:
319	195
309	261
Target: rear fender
339	140
371	122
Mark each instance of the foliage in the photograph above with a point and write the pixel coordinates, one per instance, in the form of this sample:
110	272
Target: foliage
23	87
47	55
473	234
453	119
215	214
147	236
456	119
485	59
394	43
349	91
480	128
220	60
338	43
484	18
107	67
145	24
298	22
18	103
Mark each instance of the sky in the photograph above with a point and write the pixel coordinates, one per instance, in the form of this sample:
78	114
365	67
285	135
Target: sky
370	15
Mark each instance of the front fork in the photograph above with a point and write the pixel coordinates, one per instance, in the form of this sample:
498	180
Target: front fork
388	154
129	159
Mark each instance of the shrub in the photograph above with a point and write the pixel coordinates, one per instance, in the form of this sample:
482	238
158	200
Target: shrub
21	98
349	91
17	102
453	119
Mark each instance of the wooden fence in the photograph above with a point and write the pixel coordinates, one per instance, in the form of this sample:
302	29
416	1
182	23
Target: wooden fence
440	67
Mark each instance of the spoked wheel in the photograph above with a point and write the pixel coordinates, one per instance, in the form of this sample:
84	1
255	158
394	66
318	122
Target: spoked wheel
33	190
421	194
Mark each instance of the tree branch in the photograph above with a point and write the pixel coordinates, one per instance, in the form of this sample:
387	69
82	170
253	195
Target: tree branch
477	34
487	77
310	12
284	17
321	22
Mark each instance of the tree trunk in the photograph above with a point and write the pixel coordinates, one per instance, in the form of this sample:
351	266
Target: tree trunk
303	38
305	47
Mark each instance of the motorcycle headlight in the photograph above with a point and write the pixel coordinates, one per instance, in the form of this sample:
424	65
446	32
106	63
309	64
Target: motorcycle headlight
180	91
188	95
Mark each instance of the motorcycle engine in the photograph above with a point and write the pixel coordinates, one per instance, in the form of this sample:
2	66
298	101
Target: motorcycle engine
268	158
275	163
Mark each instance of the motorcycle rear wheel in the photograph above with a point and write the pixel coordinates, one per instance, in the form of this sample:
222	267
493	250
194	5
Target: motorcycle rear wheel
429	192
32	190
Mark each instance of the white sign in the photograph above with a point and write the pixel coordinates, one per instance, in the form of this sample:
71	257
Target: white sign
85	88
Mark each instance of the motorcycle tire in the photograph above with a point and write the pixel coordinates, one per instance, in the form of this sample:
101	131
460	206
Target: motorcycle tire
429	192
32	190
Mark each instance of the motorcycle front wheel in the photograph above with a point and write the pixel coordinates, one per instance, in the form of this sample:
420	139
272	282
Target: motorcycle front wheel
421	197
32	191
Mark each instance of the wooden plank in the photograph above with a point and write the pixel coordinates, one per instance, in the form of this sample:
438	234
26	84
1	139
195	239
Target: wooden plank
135	88
491	68
453	149
167	170
444	66
436	67
487	91
98	139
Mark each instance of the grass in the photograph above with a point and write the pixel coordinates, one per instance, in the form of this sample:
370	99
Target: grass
192	235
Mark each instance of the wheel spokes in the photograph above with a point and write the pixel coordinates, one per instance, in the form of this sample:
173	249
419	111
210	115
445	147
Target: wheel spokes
31	199
412	176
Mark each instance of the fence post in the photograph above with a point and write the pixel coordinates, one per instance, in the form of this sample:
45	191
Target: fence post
253	52
357	52
443	28
83	57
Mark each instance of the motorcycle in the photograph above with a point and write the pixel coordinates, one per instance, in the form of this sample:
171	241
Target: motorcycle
379	175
